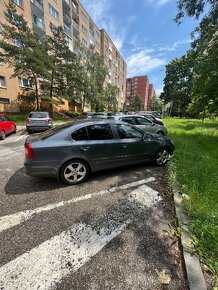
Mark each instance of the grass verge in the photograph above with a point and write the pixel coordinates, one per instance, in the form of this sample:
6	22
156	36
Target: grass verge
195	166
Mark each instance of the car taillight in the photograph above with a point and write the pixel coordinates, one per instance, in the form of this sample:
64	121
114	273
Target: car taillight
28	120
48	120
28	151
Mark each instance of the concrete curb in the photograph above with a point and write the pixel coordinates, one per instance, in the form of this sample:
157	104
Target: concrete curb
194	272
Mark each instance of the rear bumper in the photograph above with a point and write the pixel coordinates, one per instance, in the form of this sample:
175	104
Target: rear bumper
39	169
39	128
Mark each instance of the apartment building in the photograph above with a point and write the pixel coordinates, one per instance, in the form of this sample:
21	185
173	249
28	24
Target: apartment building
43	16
116	66
137	86
151	93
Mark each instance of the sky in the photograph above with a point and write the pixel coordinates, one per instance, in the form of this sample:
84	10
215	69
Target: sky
144	32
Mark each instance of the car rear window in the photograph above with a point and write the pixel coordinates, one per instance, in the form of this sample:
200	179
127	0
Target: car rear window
38	115
55	130
100	132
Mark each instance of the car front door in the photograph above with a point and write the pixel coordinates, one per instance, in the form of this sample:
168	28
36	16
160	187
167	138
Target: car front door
134	146
144	124
9	125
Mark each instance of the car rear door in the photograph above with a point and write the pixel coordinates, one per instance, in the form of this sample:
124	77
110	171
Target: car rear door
96	143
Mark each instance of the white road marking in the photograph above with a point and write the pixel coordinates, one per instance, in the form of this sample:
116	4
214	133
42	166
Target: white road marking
45	265
20	137
145	196
12	220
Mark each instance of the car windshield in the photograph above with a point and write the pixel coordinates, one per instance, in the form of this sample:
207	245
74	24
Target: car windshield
38	115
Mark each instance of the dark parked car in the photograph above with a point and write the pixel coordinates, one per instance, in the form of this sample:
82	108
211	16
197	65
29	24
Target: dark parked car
72	151
38	122
7	126
86	115
101	115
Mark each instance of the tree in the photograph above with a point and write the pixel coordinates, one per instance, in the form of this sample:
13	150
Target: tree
137	103
64	68
111	92
155	104
205	51
178	84
93	73
23	50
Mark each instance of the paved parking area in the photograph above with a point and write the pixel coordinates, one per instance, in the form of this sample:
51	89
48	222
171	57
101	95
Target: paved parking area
115	231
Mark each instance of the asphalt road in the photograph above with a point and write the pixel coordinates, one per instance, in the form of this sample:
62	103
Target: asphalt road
115	231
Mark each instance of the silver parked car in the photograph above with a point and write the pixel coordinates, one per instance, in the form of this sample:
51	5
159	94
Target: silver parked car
143	123
38	121
71	151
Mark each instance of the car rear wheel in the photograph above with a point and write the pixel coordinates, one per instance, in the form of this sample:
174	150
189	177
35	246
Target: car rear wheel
162	157
2	137
74	172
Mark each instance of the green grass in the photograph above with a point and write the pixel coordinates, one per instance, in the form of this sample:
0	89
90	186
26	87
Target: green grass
195	166
20	119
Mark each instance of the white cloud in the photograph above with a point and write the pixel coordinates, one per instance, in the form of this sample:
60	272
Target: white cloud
157	3
101	13
142	62
174	45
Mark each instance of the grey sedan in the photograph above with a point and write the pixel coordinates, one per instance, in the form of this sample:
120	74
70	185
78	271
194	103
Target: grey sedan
143	123
38	121
72	151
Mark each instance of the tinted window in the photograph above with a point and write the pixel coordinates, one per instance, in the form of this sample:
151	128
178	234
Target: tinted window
100	132
128	132
142	121
1	119
80	134
129	120
54	130
38	115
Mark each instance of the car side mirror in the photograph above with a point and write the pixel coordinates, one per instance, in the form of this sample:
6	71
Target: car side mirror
144	137
153	124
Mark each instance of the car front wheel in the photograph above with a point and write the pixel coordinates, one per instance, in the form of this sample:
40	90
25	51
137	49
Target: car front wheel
74	172
2	137
162	157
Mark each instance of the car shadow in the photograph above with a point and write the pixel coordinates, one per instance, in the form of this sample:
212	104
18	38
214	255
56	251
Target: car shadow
20	183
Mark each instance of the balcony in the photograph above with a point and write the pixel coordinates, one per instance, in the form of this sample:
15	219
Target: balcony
75	13
67	17
38	4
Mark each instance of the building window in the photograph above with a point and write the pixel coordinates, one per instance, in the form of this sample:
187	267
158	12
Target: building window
84	42
84	18
84	30
2	82
97	34
38	22
18	43
18	3
67	28
4	101
97	44
53	12
53	27
25	83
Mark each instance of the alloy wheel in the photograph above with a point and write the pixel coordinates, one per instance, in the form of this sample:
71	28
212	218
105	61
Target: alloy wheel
162	157
75	172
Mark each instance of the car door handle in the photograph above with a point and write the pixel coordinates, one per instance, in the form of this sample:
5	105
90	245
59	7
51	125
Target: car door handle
124	145
84	148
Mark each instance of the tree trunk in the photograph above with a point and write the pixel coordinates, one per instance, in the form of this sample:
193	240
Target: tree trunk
51	91
36	93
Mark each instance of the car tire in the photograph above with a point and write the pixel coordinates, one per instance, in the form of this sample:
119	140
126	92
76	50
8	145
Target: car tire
162	157
29	131
74	172
3	135
15	130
